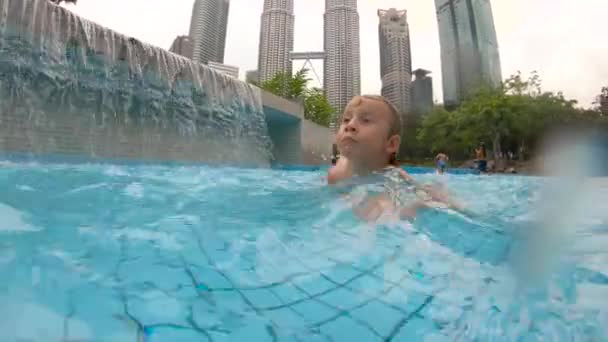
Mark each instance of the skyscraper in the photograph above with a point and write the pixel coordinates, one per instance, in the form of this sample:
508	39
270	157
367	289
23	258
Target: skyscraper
469	48
208	30
395	58
252	76
276	38
422	92
342	68
182	45
229	70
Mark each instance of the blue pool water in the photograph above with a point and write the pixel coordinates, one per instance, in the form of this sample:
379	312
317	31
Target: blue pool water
92	252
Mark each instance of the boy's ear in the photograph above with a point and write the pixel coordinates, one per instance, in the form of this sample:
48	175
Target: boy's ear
393	144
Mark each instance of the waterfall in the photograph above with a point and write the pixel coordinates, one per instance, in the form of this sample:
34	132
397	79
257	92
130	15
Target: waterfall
70	86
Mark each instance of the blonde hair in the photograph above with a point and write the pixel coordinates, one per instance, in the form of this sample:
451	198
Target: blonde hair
394	125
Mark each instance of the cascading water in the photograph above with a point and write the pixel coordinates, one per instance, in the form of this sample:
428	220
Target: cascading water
69	86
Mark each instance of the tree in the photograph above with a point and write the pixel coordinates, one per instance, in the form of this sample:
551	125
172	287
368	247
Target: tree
438	131
317	108
515	115
602	101
294	87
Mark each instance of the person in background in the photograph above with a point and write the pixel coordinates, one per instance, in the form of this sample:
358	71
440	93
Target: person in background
441	163
481	158
334	154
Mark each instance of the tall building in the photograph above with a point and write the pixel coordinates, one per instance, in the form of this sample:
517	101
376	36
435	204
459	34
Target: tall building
422	92
208	30
469	48
395	58
252	76
182	45
342	67
276	38
229	70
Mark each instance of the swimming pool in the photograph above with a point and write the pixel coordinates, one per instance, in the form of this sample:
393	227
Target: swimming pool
105	252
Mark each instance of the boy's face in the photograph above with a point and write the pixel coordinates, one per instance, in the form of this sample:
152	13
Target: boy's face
364	131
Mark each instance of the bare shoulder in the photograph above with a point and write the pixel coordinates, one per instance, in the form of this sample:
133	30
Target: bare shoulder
405	175
338	173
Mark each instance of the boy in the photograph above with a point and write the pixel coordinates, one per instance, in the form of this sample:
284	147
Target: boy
368	140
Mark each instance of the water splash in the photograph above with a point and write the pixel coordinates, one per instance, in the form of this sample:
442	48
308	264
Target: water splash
70	86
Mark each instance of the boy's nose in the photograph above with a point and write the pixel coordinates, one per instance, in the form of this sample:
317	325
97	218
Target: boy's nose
351	126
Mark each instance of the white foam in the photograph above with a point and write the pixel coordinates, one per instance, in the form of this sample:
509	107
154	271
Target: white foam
12	220
135	190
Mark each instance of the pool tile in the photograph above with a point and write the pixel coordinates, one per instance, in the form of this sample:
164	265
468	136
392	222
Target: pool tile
345	329
286	319
342	298
407	301
415	330
134	274
314	284
380	316
314	312
229	301
156	307
262	298
204	313
209	278
253	330
169	333
341	273
367	285
288	293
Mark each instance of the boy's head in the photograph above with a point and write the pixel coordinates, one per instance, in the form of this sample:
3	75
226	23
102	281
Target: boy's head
370	130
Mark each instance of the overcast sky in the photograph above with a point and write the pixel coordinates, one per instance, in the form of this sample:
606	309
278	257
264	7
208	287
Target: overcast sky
564	40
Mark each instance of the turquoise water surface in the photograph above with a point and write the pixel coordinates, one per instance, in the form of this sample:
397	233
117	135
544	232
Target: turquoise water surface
101	252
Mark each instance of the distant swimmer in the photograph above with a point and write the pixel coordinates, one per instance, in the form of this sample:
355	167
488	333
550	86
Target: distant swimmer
481	158
441	163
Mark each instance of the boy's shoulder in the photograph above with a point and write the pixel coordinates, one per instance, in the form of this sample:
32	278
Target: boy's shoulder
339	172
335	174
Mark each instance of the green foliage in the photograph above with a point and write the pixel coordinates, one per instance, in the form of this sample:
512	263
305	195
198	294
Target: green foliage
294	87
317	108
513	117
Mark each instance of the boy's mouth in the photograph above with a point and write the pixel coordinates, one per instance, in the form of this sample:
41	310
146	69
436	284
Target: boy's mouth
348	139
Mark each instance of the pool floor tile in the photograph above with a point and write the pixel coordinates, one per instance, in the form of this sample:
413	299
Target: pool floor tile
170	333
288	293
314	312
341	273
342	298
380	316
345	329
262	298
315	285
414	330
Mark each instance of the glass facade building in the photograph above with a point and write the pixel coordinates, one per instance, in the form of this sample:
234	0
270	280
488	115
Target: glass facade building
422	92
208	30
469	48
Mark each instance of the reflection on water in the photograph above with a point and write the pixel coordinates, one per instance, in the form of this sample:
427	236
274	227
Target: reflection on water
102	252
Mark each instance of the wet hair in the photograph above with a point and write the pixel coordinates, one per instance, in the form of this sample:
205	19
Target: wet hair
394	125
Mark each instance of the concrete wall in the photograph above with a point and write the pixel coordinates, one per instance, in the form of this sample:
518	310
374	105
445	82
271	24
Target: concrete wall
316	143
295	139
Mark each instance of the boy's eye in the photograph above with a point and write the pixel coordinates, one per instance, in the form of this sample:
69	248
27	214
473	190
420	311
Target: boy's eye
345	120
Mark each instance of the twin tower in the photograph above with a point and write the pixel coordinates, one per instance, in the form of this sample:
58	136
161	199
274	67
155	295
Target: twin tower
342	67
469	49
341	51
